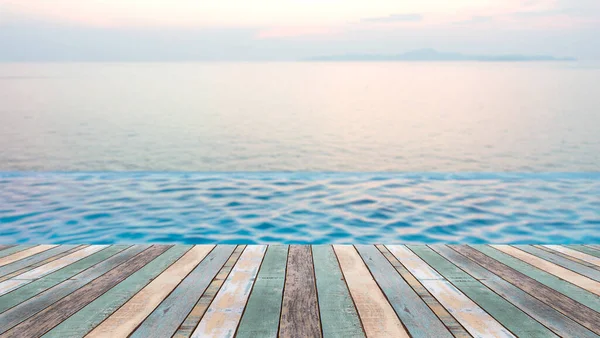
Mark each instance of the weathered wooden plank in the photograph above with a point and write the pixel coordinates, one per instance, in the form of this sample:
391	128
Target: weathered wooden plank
576	311
39	263
510	316
450	322
166	318
4	246
546	315
566	274
24	258
222	317
571	258
41	301
561	261
50	317
300	309
416	316
189	325
14	249
338	313
585	249
82	322
123	321
377	315
48	268
261	316
578	294
473	318
26	292
16	256
580	256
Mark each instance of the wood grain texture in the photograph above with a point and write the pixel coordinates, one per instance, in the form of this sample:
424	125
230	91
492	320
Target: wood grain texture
585	249
570	308
473	318
554	257
580	256
33	306
168	316
300	307
122	322
191	321
222	317
416	316
571	258
39	263
14	249
261	316
566	274
450	322
26	292
546	315
576	293
377	315
86	319
16	256
338	313
48	268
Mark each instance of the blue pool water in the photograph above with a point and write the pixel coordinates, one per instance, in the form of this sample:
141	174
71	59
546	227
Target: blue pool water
299	208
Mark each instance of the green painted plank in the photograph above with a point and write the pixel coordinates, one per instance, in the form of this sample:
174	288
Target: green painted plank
166	318
23	263
585	249
416	316
14	249
41	301
26	292
4	246
546	315
564	262
338	314
86	319
261	316
572	291
515	320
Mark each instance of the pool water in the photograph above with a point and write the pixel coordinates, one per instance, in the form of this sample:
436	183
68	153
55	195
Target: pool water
299	208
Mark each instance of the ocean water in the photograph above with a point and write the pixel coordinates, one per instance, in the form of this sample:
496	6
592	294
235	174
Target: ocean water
300	153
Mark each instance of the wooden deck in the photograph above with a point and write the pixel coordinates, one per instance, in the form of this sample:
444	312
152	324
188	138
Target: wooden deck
299	291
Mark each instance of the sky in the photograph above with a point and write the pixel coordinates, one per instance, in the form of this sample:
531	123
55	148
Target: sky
233	30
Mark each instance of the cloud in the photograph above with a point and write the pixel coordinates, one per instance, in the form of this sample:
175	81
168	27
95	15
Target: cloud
477	19
396	18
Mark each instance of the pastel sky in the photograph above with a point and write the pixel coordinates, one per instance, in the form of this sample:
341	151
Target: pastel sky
157	30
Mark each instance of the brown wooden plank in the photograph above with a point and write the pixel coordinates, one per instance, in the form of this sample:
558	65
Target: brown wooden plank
447	319
576	311
300	308
50	317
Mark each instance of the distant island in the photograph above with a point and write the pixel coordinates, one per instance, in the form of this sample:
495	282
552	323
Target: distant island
429	54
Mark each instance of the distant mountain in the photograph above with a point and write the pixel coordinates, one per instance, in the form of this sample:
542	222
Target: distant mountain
429	54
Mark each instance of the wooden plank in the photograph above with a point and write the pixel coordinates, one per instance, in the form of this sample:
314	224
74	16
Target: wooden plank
23	254
337	311
86	319
578	294
566	274
576	311
48	318
416	316
40	263
189	325
300	308
14	249
473	318
561	261
41	301
565	256
26	292
450	322
585	249
222	317
122	322
261	317
546	315
3	246
594	261
377	315
166	318
39	272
